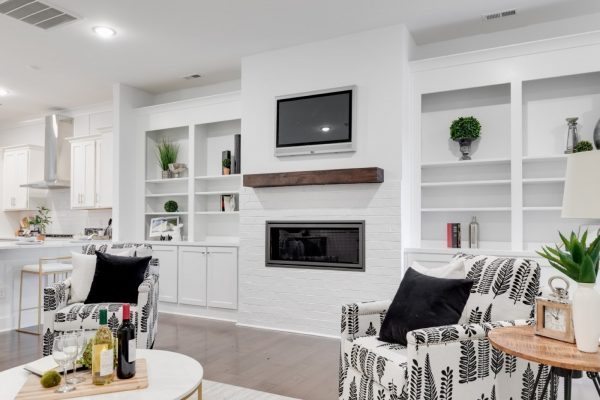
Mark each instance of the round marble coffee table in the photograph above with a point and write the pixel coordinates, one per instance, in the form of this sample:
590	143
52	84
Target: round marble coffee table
170	376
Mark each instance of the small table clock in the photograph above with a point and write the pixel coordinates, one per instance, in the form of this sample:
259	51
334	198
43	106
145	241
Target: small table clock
554	314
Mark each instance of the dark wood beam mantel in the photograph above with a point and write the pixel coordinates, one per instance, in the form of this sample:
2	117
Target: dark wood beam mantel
320	177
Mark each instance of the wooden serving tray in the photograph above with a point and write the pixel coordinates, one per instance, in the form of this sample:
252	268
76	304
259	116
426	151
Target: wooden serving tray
33	390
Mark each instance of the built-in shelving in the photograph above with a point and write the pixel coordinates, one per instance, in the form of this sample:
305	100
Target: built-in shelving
167	195
219	177
514	184
167	213
217	212
218	192
167	181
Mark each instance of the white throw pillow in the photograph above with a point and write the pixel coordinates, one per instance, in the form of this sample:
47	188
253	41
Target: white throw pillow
454	270
84	267
121	252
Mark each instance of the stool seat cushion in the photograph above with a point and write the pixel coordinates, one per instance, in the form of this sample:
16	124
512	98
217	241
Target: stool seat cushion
50	268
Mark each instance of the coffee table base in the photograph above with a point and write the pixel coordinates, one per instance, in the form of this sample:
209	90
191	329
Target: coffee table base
568	376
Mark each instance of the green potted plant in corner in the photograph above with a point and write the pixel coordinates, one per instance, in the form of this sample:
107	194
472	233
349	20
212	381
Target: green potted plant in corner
41	221
166	153
226	166
465	130
580	263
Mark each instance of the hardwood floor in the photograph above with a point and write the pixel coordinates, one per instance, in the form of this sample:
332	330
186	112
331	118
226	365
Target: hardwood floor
287	364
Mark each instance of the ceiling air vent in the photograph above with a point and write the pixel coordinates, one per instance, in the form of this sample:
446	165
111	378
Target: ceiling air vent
35	13
500	14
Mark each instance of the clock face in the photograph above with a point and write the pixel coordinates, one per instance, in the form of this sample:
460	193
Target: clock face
555	319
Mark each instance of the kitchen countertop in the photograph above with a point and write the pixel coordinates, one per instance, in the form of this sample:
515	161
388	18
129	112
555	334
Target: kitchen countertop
7	244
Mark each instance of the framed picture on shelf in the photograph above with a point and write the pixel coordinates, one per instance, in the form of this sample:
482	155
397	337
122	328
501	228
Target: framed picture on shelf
163	226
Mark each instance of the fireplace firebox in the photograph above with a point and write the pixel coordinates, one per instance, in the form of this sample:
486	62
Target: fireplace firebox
316	244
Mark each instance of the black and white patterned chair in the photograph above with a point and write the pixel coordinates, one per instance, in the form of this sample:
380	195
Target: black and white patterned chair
449	362
60	315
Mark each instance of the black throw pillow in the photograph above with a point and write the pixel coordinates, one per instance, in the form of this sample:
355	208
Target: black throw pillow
423	302
117	279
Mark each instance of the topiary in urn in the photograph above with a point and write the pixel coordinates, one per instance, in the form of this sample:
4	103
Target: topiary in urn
465	130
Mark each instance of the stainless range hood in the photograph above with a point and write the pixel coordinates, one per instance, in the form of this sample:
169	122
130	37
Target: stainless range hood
57	154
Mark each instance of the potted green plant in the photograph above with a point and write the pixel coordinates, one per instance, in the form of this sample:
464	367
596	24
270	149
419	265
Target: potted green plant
226	166
41	221
580	263
465	130
166	153
582	146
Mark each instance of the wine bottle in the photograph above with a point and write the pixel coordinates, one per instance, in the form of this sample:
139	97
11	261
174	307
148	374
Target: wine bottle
126	346
103	359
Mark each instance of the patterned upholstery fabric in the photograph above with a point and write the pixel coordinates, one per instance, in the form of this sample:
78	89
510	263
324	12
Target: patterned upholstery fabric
448	362
59	316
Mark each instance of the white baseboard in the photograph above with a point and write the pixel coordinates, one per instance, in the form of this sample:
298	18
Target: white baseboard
183	314
272	328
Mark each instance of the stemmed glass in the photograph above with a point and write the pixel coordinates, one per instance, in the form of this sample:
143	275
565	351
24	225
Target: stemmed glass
81	344
64	352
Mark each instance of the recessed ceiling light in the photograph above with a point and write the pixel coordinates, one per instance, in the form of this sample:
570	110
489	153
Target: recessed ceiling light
325	129
4	92
104	32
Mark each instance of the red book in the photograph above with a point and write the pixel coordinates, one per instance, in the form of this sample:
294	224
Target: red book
449	234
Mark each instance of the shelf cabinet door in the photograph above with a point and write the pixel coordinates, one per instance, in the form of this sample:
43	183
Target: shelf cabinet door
9	180
83	174
22	174
192	275
222	277
104	171
16	173
77	173
167	258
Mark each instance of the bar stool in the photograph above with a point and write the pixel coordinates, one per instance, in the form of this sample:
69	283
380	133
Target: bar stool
44	268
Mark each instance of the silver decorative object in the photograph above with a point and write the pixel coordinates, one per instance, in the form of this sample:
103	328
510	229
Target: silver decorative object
597	135
177	169
572	135
474	234
465	148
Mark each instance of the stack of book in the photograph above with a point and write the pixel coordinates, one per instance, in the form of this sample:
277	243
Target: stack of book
453	235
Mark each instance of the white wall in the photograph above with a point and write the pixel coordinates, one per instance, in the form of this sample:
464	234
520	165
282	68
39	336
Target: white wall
310	300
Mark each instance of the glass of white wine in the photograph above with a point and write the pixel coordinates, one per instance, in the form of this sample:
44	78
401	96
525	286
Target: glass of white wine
81	344
64	352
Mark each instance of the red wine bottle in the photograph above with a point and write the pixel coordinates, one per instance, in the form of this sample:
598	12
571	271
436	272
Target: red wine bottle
126	346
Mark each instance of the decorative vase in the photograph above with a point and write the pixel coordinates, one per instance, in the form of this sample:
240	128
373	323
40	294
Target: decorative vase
586	321
572	135
226	171
597	135
167	174
465	148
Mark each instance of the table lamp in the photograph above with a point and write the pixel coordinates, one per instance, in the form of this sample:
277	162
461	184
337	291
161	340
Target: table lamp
581	198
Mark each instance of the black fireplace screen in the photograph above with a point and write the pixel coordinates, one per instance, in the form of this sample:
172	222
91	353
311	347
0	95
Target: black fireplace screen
310	244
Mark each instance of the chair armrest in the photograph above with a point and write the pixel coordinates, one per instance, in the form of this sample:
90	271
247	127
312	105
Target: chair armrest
457	333
147	308
56	295
363	319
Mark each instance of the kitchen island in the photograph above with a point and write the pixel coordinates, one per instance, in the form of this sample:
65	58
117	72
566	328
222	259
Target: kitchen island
13	256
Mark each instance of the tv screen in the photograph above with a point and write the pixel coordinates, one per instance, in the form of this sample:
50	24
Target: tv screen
317	119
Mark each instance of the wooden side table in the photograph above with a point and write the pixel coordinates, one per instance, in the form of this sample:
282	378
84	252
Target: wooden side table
563	358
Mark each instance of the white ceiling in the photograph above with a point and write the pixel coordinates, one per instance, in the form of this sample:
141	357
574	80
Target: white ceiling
160	41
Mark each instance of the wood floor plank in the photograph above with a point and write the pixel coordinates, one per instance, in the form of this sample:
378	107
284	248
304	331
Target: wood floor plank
286	364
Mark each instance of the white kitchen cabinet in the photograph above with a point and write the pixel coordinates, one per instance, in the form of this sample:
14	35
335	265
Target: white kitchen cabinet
167	257
92	124
91	171
192	275
222	277
21	165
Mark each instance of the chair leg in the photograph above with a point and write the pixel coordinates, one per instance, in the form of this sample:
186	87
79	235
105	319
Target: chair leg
39	318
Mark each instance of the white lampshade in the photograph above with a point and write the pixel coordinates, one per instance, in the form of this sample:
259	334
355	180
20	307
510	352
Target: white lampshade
582	186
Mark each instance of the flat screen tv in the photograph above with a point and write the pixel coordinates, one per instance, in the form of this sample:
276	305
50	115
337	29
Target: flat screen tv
316	122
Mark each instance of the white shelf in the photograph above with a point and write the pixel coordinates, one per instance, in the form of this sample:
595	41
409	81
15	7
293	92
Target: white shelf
167	180
470	209
167	195
217	192
167	213
534	159
217	212
543	180
219	177
542	208
467	183
457	163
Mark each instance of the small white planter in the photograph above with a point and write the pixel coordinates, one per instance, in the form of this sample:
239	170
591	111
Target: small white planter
586	317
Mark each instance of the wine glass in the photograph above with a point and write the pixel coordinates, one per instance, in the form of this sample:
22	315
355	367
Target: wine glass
64	352
81	344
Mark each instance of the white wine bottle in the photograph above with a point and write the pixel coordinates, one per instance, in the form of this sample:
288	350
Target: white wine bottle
103	358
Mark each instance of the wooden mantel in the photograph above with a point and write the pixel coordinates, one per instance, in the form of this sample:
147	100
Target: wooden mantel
320	177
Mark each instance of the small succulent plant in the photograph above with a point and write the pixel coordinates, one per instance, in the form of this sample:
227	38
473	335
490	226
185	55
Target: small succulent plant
171	206
578	260
584	145
227	163
465	128
50	379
